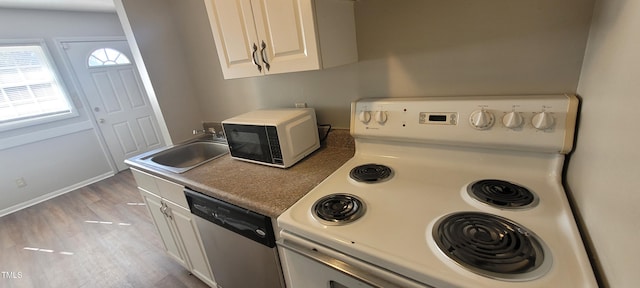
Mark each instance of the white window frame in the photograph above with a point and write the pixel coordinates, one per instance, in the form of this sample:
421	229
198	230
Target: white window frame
46	118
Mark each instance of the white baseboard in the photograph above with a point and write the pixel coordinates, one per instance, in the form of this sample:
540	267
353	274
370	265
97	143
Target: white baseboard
53	194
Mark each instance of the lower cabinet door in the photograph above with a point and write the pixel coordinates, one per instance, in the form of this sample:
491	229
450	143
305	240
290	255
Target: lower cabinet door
188	232
163	224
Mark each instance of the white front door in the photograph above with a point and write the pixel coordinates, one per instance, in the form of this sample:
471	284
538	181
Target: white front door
117	98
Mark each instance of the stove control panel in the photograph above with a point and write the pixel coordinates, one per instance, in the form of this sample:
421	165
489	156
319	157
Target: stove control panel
381	117
364	116
543	123
513	120
438	118
481	119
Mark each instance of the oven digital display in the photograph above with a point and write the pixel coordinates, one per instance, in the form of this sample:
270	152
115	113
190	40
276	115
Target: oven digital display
439	118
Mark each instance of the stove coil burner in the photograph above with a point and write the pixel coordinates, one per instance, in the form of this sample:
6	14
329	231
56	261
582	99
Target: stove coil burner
490	245
502	194
371	173
339	208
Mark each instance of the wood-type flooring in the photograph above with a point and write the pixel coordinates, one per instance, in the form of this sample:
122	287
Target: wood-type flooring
100	235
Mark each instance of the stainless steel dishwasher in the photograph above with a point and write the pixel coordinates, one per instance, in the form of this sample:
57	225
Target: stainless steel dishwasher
239	243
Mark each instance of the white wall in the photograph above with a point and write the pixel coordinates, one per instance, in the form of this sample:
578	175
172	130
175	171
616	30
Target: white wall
55	157
604	171
410	48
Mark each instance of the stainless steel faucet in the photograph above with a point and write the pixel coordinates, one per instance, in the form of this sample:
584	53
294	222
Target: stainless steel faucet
199	131
211	131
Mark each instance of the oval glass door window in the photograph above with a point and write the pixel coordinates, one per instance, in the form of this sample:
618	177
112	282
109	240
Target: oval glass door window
107	56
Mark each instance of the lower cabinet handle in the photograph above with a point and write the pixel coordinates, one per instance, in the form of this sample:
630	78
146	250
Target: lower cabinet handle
164	209
264	55
253	57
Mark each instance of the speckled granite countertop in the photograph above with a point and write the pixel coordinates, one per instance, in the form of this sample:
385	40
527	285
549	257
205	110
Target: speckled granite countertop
263	189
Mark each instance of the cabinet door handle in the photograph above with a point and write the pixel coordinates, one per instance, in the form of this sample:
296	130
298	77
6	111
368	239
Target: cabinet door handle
163	209
253	57
264	56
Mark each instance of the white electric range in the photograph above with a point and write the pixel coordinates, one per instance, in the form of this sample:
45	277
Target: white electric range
443	192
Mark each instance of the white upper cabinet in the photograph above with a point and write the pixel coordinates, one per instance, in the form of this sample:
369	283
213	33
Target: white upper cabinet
258	37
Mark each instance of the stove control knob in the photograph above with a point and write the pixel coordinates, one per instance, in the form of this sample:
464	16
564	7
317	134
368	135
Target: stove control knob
381	116
512	120
364	116
481	119
542	121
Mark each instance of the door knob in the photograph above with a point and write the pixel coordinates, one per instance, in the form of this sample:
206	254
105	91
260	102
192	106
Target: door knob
101	121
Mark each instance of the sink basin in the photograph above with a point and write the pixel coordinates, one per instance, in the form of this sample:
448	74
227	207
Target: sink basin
181	158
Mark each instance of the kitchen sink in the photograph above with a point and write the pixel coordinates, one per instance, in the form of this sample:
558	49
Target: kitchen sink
183	157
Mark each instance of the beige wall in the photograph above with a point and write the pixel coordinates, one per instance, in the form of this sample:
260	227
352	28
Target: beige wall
152	26
436	47
604	171
410	48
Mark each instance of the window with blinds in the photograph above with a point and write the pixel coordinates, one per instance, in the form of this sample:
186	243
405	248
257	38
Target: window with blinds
30	89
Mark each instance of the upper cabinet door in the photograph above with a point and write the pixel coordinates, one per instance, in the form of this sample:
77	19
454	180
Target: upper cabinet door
235	35
257	37
287	29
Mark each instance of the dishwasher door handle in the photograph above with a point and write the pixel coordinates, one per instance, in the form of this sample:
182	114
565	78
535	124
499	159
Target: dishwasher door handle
241	225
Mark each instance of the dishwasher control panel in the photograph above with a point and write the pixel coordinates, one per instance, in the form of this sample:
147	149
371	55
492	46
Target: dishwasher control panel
247	223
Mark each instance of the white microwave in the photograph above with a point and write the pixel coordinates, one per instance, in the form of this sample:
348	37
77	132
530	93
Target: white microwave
274	137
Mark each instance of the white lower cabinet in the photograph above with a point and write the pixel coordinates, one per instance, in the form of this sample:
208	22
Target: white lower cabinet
186	228
166	227
175	224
